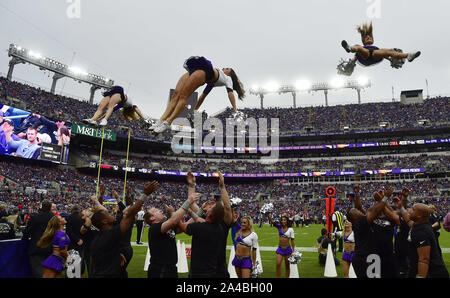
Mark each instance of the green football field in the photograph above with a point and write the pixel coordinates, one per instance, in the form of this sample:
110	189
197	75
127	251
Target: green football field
305	237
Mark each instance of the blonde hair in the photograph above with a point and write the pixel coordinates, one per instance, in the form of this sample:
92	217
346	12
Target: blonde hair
130	114
250	225
432	208
53	226
365	29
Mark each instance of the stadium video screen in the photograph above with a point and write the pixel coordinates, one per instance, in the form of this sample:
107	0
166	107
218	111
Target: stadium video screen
28	135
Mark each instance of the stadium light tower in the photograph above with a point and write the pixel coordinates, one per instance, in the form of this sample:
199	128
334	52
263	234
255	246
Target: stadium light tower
60	70
306	86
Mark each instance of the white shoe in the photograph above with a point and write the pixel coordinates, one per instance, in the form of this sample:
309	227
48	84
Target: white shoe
155	124
412	56
102	122
89	121
162	127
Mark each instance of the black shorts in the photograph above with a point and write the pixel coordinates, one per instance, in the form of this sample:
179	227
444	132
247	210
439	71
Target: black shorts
199	63
115	90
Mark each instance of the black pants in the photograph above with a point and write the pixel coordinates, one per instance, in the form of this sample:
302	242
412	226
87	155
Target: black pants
162	271
139	225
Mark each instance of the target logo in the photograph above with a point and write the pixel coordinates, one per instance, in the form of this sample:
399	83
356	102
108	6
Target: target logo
330	191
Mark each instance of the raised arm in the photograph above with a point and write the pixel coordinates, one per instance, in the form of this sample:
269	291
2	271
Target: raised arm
201	99
178	215
358	204
232	100
228	216
270	219
376	209
130	212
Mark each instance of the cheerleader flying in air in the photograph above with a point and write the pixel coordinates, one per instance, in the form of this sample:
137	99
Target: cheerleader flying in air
200	71
368	54
113	100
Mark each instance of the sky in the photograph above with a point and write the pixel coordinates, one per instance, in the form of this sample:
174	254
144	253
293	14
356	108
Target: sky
142	45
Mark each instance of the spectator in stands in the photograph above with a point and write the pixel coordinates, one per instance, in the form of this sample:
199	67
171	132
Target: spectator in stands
55	237
7	125
34	230
23	148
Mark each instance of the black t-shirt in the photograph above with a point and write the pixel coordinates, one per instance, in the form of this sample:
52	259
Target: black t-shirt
375	238
207	240
422	235
163	249
325	241
88	237
105	254
401	238
222	260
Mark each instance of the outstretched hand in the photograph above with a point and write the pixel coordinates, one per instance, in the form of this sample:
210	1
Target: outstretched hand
378	195
221	180
194	197
169	209
356	189
388	192
190	178
150	187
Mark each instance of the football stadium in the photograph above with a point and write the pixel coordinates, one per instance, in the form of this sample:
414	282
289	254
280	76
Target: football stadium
323	157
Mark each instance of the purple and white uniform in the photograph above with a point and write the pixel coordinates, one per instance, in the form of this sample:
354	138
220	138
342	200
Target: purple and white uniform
370	61
251	240
222	81
348	255
289	234
56	262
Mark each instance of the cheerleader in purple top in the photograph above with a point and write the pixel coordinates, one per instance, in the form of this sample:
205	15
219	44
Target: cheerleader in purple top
368	54
349	247
54	235
284	249
200	71
247	243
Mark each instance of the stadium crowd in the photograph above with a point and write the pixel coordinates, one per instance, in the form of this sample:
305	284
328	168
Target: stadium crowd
430	163
320	119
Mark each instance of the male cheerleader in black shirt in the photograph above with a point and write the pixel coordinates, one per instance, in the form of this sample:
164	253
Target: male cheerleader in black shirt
426	261
372	249
222	268
207	242
161	239
106	260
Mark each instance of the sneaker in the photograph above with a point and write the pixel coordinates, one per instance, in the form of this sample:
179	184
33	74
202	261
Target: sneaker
412	56
346	46
155	124
162	127
89	121
102	122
